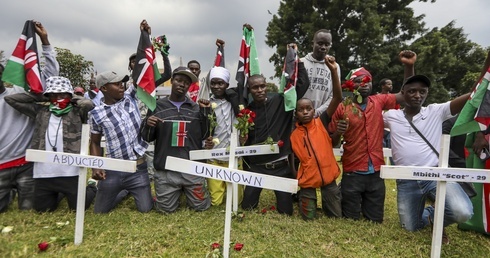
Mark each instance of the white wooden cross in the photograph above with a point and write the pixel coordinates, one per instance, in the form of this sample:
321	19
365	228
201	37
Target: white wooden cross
83	161
232	156
441	174
232	176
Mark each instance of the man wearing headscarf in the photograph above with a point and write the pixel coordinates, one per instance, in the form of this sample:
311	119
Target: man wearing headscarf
360	122
224	114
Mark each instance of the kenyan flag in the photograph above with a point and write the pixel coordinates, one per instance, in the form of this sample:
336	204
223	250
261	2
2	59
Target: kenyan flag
289	78
179	133
248	61
22	68
145	72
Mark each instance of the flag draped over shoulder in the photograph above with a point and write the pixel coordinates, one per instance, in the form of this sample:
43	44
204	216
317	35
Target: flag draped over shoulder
475	115
248	61
145	72
289	78
22	68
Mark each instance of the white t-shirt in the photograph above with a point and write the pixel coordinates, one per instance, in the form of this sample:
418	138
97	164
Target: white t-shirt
54	136
407	147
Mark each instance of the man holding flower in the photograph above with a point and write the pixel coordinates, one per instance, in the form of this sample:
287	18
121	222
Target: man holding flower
221	120
360	123
272	123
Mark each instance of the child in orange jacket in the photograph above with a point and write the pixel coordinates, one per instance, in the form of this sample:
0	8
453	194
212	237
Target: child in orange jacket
312	145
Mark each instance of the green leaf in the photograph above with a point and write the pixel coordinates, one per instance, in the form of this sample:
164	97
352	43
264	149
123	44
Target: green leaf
359	99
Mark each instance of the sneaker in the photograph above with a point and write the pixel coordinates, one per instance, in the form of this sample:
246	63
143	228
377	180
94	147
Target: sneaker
445	238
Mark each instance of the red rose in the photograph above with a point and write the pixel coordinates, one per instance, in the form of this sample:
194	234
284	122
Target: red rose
240	114
280	143
349	85
238	246
366	79
250	120
273	208
252	114
263	211
43	246
215	246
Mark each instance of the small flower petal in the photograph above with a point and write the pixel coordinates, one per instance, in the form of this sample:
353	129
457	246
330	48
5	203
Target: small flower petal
7	229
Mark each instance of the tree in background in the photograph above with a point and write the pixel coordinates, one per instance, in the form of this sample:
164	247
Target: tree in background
449	59
74	67
364	33
272	87
371	33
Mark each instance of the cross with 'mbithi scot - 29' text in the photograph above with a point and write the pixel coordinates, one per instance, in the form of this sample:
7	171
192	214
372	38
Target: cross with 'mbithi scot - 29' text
442	175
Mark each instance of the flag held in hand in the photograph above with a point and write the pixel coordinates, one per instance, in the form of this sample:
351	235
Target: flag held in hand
22	68
145	72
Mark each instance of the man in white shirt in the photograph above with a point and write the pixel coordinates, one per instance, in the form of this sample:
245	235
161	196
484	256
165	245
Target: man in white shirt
409	149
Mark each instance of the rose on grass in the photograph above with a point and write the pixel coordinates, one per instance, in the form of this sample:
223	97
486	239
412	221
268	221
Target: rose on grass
238	246
43	246
215	245
273	208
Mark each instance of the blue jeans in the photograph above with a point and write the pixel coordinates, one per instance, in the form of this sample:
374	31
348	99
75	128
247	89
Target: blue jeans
411	198
137	184
19	177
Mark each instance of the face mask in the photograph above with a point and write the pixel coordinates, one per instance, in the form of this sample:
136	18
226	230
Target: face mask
61	103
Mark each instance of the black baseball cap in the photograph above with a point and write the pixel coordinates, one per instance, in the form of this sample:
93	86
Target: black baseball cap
185	71
418	78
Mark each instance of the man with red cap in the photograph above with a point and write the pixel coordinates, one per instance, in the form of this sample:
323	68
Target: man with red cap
360	122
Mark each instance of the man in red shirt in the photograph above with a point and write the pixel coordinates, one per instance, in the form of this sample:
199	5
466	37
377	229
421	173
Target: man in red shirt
195	68
361	125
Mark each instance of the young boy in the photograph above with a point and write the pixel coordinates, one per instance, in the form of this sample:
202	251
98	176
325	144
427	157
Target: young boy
313	147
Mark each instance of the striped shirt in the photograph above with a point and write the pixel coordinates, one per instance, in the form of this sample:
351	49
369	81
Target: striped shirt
120	124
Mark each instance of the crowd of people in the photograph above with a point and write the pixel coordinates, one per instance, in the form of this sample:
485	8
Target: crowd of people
180	123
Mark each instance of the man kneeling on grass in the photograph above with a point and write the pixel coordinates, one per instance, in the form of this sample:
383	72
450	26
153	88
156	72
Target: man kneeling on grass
178	125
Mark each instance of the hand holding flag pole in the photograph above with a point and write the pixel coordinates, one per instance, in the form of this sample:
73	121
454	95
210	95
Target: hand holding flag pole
145	72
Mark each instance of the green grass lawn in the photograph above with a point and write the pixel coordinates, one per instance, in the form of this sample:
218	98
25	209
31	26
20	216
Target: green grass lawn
127	233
